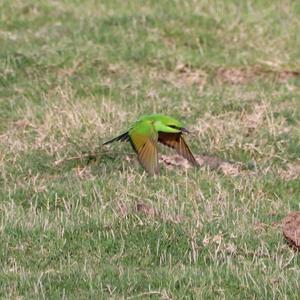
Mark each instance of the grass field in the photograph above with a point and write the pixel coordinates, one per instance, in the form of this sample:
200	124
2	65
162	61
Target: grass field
79	220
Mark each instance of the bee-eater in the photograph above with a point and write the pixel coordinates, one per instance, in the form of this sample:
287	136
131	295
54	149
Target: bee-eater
144	134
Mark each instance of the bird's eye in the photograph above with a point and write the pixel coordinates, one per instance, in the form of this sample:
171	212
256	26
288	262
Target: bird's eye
173	126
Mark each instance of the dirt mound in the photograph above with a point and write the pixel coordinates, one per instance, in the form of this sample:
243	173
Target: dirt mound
291	229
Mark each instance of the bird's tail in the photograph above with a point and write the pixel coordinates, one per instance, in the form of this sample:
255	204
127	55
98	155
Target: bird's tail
123	137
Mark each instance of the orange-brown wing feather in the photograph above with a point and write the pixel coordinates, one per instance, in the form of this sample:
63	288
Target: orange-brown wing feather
176	141
148	157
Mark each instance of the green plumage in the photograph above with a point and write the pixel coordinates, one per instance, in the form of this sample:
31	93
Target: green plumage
150	129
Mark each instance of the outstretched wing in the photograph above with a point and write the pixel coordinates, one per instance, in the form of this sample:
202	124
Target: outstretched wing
143	139
176	141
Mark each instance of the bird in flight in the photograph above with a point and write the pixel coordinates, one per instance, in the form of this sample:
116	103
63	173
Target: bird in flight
144	134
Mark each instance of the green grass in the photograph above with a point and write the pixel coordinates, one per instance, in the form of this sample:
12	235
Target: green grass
78	220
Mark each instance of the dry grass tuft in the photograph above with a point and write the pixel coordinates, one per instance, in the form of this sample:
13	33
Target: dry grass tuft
64	121
291	172
245	130
146	209
235	75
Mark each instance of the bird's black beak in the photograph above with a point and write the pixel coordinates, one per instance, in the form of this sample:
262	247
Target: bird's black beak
185	130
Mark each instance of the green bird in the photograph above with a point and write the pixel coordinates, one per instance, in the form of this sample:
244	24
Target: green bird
144	134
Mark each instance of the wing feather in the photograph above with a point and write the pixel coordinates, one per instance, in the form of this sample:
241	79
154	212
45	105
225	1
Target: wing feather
143	139
177	142
148	157
123	137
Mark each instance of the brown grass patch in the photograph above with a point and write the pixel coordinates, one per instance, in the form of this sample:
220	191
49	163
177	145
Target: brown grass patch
246	75
235	75
285	75
182	76
291	172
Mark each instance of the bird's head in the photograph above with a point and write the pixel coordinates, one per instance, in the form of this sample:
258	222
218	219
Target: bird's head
168	124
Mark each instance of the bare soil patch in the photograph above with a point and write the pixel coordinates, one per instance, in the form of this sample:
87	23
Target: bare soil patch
212	162
291	229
